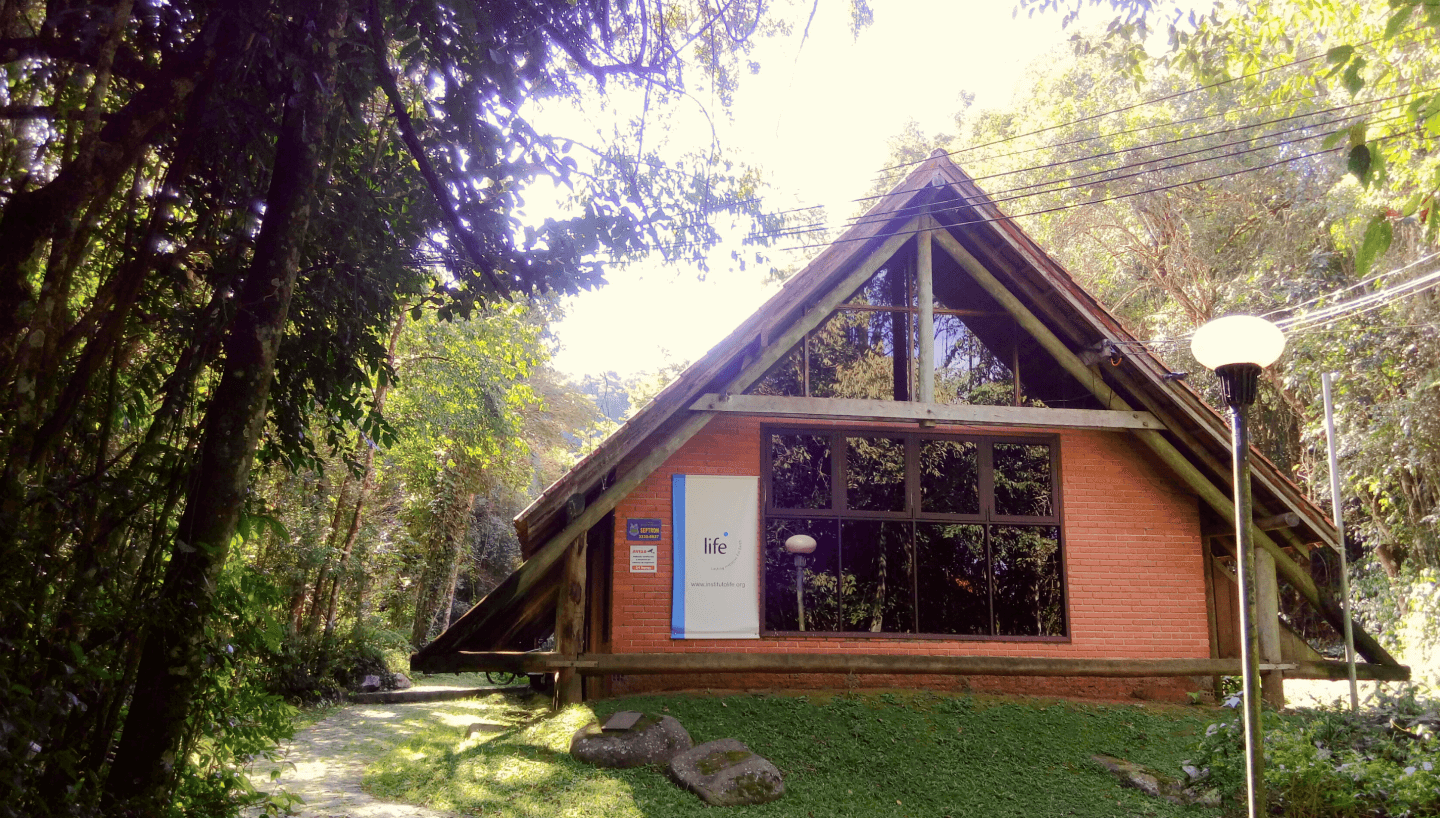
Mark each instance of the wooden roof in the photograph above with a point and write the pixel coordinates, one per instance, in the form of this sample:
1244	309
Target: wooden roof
966	215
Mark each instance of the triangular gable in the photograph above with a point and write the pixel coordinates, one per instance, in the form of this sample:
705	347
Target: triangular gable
971	233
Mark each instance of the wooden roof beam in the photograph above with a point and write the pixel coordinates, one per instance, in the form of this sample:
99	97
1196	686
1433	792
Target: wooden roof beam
890	410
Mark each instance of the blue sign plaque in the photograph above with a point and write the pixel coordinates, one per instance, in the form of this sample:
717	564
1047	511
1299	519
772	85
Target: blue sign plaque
642	530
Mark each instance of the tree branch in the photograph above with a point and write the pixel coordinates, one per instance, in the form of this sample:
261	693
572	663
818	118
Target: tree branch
417	152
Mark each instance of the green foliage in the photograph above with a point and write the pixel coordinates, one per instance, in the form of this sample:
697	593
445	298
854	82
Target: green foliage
888	754
236	717
156	250
1330	763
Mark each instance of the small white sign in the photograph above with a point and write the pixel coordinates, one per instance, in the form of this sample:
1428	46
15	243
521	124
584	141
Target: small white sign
644	559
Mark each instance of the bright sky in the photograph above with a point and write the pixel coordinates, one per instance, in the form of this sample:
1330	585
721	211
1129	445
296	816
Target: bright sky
817	126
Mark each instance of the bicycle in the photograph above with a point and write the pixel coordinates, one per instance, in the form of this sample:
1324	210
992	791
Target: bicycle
502	678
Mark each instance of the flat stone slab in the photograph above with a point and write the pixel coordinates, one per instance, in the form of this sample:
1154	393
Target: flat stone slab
1156	785
726	773
622	721
651	740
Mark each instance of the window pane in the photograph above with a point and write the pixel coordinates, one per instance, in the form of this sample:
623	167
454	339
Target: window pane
819	577
800	471
953	592
892	286
876	576
1022	480
1028	601
875	473
966	370
851	356
785	379
949	477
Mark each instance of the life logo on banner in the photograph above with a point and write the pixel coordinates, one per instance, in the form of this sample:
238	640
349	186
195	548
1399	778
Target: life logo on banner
716	525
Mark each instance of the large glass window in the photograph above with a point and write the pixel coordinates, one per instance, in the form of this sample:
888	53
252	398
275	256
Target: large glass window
869	347
915	533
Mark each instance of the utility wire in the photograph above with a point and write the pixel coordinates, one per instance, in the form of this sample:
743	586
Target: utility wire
804	229
1352	308
1363	304
1060	185
1356	285
1292	64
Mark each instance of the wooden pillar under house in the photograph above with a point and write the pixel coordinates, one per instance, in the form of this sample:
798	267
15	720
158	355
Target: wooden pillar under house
570	614
1267	623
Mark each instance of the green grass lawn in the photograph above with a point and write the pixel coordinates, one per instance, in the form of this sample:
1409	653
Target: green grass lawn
883	754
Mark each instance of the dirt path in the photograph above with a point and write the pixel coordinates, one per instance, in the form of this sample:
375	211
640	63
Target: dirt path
325	762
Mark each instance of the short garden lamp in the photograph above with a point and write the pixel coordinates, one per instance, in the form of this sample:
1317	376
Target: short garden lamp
1237	347
800	545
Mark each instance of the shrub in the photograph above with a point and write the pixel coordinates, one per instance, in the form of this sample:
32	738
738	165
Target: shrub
1328	762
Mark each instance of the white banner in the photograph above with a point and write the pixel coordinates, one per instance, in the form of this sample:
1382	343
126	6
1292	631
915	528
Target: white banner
716	528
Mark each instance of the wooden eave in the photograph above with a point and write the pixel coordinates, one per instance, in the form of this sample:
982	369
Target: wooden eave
941	188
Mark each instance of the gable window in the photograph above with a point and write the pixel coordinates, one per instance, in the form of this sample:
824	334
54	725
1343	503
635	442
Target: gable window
915	534
868	348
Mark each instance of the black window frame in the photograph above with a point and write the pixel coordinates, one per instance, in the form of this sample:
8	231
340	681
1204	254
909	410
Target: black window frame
914	514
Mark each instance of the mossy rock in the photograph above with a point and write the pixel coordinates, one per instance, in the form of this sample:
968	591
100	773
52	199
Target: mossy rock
726	773
652	740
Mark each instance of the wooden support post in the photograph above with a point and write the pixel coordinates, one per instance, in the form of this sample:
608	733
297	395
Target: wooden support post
1267	614
570	624
925	293
1212	622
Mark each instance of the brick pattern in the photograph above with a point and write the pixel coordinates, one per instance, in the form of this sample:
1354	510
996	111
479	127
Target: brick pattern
1133	568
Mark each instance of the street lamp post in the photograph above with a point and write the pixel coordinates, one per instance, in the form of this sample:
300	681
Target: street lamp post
1237	347
800	545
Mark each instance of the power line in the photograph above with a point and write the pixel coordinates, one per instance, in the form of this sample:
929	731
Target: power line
1057	208
1356	285
998	196
1058	185
1165	98
1312	322
1359	306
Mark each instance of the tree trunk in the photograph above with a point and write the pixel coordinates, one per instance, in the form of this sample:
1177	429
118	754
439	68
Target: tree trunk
365	483
449	525
173	660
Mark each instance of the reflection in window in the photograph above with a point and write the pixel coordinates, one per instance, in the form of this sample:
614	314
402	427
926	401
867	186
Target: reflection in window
785	379
868	348
819	577
966	370
1028	600
1022	480
850	357
875	567
800	469
939	535
953	590
875	474
950	476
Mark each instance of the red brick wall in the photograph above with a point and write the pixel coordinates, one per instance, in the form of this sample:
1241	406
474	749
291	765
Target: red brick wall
1133	573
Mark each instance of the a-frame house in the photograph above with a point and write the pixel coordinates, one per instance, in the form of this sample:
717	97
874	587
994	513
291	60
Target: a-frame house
1001	487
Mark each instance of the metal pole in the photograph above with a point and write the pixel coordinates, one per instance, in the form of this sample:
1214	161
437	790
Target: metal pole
1249	639
1339	517
800	588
